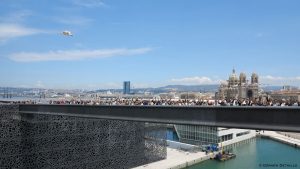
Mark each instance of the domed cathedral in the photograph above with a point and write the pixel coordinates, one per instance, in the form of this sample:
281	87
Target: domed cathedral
239	88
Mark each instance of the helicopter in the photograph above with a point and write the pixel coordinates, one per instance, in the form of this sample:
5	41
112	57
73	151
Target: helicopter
67	33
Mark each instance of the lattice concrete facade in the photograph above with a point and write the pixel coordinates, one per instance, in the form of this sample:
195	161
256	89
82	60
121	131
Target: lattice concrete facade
48	141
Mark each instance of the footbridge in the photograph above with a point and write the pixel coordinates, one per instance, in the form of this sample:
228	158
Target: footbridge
259	118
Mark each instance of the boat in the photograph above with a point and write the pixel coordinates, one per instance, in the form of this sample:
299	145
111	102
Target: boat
224	156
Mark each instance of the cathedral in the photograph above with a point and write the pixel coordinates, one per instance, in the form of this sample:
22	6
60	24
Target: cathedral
239	87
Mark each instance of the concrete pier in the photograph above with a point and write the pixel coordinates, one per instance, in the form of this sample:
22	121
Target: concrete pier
281	138
177	159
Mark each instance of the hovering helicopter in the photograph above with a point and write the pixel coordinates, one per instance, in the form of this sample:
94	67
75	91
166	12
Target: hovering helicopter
67	33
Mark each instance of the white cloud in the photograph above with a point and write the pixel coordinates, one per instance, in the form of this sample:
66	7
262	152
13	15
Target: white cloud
11	27
75	54
39	84
274	78
195	80
279	80
109	85
89	3
264	80
8	31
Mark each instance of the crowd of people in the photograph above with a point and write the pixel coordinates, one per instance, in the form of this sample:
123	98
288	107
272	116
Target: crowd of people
177	102
163	102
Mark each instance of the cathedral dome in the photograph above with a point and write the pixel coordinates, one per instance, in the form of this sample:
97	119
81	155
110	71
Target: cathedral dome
233	76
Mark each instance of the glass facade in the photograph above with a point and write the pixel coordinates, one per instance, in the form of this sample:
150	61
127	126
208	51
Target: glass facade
243	133
226	137
207	135
126	87
197	135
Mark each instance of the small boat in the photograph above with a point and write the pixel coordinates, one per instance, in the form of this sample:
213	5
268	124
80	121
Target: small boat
224	156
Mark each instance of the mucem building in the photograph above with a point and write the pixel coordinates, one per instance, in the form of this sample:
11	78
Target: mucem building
54	141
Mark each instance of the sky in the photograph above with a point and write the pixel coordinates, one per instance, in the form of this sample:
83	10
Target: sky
148	42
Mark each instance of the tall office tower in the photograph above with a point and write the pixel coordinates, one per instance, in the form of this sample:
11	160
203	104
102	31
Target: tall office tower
126	87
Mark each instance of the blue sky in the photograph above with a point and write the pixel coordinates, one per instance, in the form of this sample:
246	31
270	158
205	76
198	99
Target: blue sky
149	42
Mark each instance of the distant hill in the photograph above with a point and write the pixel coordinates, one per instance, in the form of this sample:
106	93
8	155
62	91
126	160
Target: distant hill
271	88
192	88
179	88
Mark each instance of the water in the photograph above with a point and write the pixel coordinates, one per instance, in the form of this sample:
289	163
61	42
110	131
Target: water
258	154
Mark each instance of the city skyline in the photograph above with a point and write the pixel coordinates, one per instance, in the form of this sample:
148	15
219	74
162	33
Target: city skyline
149	43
